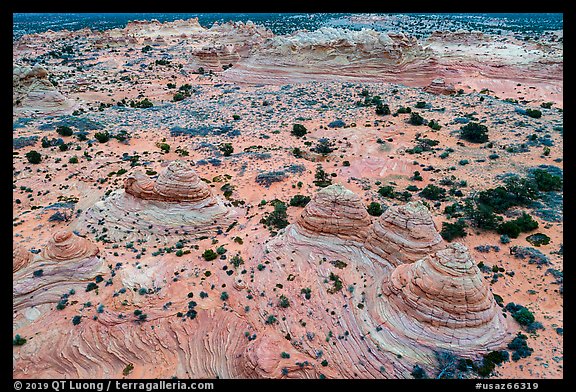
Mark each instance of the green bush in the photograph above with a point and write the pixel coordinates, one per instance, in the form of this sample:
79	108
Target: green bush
416	119
226	149
450	231
434	125
277	218
18	340
386	191
299	130
375	209
418	372
224	296
209	255
382	109
33	157
402	110
102	137
283	302
299	200
474	132
534	113
76	320
538	239
179	96
520	347
420	105
64	130
433	192
546	182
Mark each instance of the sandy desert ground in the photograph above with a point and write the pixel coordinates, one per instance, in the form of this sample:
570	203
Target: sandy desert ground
111	228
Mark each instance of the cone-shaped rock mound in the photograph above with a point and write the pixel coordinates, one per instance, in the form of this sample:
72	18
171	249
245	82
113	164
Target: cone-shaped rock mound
65	245
337	211
177	203
443	298
176	183
404	234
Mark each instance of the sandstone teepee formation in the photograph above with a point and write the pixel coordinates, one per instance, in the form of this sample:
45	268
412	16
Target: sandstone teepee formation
426	292
337	211
442	300
178	202
404	234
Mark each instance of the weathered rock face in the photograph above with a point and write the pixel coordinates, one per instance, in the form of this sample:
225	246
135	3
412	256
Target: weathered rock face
404	234
443	300
65	246
440	87
177	203
20	257
67	261
336	211
32	92
324	53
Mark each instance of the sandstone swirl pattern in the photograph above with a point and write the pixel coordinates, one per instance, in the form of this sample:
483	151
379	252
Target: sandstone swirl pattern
178	202
363	313
67	261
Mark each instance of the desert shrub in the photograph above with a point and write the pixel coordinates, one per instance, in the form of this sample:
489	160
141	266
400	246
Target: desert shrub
416	119
324	146
224	296
179	96
277	218
267	178
520	347
382	109
504	239
534	113
18	340
402	110
416	176
482	216
76	320
102	137
386	191
143	104
299	130
283	301
418	372
226	149
538	239
433	192
299	200
474	132
33	157
546	182
322	179
450	231
434	125
209	255
513	228
520	313
375	209
64	130
420	105
534	255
